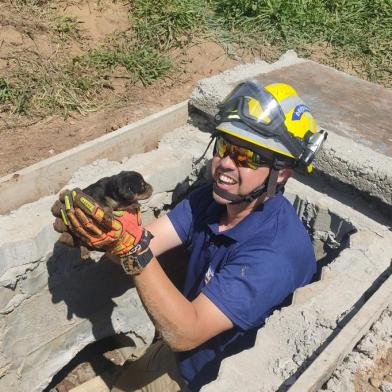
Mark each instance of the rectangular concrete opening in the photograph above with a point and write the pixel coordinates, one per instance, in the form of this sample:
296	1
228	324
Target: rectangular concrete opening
330	233
346	210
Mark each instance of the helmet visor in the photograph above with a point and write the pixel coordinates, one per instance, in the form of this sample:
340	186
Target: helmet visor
259	110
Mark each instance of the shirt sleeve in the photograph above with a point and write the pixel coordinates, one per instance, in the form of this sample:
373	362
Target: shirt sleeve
184	214
250	285
181	218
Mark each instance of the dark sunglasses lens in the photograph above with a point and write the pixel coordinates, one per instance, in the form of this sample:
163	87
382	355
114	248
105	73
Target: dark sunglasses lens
243	157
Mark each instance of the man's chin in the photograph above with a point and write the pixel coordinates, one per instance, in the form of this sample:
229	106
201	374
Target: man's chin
219	199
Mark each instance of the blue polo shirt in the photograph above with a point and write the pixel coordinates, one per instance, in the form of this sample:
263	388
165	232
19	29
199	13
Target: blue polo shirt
246	271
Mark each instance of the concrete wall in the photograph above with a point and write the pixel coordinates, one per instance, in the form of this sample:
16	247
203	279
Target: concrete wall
52	304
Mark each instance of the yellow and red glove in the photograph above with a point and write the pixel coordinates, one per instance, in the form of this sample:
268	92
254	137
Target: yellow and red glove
117	232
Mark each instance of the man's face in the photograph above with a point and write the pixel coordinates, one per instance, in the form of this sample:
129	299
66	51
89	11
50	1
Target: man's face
236	180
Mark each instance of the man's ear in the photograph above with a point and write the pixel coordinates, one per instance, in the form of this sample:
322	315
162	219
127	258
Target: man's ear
284	175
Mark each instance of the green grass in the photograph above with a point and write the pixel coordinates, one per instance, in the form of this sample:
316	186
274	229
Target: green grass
5	91
142	61
165	24
358	31
66	27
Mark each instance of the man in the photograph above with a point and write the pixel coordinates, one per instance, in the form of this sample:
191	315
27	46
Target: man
248	249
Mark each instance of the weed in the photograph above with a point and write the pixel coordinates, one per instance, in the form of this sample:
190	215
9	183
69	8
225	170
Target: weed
165	24
66	27
143	62
5	91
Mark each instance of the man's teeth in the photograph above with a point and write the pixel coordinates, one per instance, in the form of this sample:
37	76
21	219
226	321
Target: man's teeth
226	179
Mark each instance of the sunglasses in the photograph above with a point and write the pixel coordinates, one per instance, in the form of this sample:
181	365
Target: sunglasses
243	157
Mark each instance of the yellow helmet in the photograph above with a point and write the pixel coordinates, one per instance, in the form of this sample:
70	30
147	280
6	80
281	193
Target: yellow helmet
274	118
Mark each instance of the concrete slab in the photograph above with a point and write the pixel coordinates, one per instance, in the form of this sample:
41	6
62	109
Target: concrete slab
323	366
342	103
356	113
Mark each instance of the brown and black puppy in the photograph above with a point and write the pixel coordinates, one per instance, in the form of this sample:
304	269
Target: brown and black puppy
119	192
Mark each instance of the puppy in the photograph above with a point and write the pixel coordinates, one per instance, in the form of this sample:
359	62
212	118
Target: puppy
119	192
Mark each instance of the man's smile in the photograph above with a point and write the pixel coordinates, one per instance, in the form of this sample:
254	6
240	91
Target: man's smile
225	179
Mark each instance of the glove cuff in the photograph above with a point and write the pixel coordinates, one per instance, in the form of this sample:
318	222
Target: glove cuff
134	261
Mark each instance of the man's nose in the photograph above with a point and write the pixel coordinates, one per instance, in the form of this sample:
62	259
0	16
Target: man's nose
228	162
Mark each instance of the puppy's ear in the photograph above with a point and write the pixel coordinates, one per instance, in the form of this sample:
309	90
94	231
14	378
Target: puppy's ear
125	187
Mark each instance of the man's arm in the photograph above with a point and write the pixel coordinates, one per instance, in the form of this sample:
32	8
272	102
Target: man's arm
183	324
165	236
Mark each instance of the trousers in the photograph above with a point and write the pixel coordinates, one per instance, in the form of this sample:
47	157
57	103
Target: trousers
155	371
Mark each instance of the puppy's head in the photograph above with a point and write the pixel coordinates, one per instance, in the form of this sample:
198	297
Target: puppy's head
129	187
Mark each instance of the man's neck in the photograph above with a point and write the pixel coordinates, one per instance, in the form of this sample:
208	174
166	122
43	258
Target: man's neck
235	213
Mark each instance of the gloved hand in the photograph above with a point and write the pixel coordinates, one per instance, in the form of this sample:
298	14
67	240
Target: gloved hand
114	231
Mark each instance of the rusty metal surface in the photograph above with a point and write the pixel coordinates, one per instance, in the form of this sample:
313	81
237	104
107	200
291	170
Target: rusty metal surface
341	103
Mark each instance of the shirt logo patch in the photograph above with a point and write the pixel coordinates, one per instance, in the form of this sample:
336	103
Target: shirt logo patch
299	111
209	274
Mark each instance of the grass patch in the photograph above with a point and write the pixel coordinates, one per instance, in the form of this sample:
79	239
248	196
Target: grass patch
142	61
356	28
49	87
353	30
165	24
5	91
66	27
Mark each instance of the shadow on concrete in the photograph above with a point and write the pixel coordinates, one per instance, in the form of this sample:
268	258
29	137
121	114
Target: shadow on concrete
87	288
360	201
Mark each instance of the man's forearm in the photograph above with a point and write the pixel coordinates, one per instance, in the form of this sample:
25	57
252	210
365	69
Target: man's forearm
173	315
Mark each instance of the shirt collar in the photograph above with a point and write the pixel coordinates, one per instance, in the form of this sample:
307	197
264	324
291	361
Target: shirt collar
250	224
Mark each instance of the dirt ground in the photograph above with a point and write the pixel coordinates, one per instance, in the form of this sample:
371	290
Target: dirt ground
25	141
371	379
26	145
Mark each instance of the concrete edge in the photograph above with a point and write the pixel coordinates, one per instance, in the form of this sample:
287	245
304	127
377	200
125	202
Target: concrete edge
210	91
324	365
48	176
357	165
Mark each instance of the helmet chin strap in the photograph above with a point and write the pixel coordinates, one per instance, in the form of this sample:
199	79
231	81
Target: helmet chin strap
269	186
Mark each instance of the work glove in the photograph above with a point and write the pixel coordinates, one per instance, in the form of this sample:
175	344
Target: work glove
116	232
